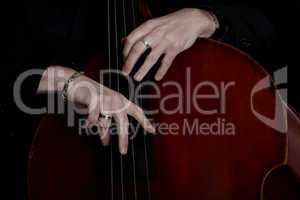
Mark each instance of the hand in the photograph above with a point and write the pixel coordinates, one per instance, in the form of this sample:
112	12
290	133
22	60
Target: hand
99	100
168	35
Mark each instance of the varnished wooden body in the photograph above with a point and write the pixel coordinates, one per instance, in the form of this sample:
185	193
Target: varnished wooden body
63	165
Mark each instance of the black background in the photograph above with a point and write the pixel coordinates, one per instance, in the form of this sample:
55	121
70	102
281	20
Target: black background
285	14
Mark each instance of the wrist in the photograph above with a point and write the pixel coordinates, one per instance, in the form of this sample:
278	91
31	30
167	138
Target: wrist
82	90
53	78
61	76
208	24
68	83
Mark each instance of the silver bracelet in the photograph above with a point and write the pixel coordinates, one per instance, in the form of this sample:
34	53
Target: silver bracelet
215	20
66	85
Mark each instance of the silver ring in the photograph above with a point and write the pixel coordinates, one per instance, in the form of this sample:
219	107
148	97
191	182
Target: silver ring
147	45
106	117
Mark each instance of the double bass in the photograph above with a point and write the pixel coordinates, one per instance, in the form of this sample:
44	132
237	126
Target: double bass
254	158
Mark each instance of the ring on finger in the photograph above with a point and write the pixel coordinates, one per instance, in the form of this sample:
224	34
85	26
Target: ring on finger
106	117
146	43
105	121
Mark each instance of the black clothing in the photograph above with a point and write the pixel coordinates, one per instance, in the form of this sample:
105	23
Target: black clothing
68	32
57	32
247	26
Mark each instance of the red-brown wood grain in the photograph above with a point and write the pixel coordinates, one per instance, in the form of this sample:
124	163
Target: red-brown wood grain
62	165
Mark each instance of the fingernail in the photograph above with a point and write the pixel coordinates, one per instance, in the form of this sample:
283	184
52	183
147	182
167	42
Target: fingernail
125	72
152	129
123	150
157	78
123	39
104	143
137	78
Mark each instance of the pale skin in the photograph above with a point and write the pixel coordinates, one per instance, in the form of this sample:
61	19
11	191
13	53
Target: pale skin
168	35
98	99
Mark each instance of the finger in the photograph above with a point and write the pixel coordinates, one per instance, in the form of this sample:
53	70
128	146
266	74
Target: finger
123	125
136	112
93	116
104	125
136	35
165	65
150	61
86	124
104	136
135	53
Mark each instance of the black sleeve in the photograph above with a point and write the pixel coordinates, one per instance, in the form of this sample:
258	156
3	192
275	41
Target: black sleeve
247	28
244	24
19	50
46	33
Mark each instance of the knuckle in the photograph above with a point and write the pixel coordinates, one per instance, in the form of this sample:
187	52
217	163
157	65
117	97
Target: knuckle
114	95
167	61
129	39
173	41
150	22
170	38
158	32
115	98
151	58
136	49
176	46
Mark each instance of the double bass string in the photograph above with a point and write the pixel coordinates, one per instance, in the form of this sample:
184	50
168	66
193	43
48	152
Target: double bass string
131	139
118	90
109	70
140	104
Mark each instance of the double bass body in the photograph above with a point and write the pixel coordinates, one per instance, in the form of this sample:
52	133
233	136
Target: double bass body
195	164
